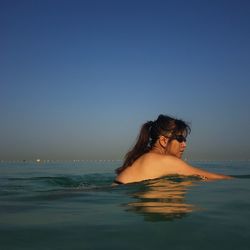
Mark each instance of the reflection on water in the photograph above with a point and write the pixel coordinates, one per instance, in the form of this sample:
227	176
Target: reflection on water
163	199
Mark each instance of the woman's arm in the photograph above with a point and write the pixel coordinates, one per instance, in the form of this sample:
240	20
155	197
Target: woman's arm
178	166
204	174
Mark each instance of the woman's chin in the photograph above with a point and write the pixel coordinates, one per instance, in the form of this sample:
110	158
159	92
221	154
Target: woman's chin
180	154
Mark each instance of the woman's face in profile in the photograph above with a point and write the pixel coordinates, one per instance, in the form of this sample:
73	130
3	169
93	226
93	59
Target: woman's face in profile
176	148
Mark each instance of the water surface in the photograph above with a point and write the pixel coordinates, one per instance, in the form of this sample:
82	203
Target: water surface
73	206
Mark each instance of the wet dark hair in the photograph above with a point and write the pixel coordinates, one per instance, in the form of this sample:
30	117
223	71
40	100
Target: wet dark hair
149	133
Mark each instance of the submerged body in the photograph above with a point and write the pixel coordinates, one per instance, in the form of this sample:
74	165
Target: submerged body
158	153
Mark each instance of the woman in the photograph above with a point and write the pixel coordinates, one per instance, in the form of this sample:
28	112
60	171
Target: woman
158	153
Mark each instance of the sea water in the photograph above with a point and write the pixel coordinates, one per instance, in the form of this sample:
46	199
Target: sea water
73	206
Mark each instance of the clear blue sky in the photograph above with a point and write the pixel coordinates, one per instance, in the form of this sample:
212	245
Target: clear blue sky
78	78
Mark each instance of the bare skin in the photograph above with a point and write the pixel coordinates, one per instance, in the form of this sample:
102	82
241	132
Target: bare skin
163	159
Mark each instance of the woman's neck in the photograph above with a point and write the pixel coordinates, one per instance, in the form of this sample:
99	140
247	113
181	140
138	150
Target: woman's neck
158	150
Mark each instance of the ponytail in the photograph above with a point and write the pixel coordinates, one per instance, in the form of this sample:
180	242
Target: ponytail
141	147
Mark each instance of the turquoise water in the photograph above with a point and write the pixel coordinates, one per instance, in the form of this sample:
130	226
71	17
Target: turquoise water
73	206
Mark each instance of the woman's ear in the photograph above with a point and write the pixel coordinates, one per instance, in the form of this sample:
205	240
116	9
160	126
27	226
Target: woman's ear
163	141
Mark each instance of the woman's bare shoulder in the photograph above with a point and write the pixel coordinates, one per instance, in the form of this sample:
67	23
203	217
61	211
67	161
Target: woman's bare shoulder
161	160
158	164
170	159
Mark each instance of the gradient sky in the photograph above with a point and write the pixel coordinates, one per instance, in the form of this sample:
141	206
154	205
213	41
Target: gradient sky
78	78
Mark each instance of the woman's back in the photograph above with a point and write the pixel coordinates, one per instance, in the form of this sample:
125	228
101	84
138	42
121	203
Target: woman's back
153	165
148	166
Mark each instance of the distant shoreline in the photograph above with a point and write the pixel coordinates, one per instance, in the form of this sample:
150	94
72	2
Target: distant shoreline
41	161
